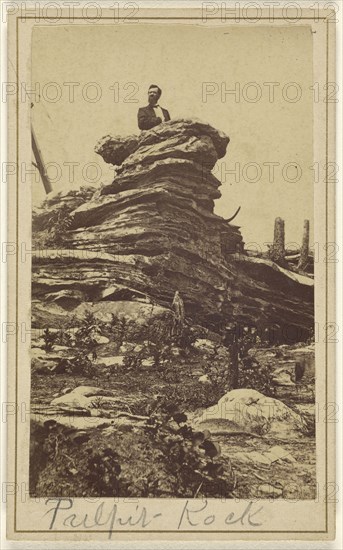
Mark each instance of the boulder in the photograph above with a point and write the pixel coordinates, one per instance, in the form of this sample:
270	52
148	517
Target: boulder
86	398
115	149
177	138
251	411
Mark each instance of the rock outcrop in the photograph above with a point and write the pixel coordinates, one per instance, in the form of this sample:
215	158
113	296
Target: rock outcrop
251	411
153	231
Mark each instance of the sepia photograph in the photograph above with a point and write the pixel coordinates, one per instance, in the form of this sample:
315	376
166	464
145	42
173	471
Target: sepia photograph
175	215
172	322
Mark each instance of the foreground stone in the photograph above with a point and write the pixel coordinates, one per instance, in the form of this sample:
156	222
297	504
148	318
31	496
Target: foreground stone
86	398
250	411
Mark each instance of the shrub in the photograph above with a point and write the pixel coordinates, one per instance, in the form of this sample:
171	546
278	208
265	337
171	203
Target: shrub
121	328
79	365
191	459
102	471
133	360
194	395
49	339
186	338
256	377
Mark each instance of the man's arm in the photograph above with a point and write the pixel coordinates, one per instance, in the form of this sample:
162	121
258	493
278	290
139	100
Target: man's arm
145	121
166	115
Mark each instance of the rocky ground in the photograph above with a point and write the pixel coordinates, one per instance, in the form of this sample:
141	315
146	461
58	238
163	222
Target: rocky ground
267	445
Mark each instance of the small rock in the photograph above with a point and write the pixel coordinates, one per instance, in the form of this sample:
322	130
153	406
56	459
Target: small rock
222	352
148	362
268	490
203	343
99	339
53	357
112	361
36	353
282	377
38	343
278	453
126	348
138	348
60	348
204	379
260	458
197	373
241	457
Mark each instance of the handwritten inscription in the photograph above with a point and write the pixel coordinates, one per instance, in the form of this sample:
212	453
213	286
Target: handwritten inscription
193	515
102	517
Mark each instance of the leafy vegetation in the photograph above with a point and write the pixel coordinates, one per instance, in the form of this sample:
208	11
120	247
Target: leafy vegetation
187	463
49	339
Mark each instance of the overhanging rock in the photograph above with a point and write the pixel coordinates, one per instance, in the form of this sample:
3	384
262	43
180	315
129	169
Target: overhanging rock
153	230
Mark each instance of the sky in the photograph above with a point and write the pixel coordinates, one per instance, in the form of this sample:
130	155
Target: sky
271	142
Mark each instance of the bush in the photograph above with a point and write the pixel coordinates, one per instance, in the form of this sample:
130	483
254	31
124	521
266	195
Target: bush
49	339
194	395
186	338
255	376
191	459
79	365
73	466
120	329
133	360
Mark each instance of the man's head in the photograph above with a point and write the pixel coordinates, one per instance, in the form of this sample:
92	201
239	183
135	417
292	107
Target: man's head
154	94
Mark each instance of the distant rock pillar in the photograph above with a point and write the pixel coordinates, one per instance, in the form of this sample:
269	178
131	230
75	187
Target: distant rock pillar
179	311
277	252
303	260
179	307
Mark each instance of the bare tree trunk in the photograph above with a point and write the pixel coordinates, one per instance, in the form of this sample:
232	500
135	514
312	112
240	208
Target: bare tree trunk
234	365
303	260
277	252
40	163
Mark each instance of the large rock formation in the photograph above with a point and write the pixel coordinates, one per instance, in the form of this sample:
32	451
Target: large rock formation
153	231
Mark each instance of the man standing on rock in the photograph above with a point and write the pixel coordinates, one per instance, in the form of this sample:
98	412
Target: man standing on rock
153	114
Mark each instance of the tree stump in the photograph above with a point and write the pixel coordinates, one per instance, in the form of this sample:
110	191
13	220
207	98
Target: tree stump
303	260
277	251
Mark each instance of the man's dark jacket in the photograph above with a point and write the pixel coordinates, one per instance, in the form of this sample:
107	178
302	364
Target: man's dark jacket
147	118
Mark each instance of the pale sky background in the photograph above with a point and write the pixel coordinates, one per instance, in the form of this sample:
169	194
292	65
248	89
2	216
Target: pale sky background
180	59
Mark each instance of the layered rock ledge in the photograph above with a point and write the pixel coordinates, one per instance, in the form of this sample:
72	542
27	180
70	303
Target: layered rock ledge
153	230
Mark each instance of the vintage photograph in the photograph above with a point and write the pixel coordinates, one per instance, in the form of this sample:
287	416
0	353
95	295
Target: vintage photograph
172	328
172	295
